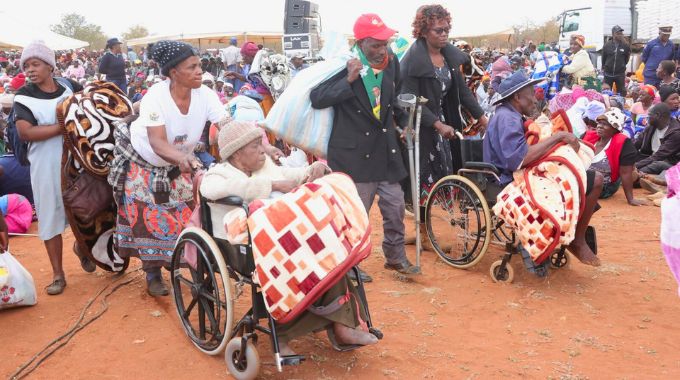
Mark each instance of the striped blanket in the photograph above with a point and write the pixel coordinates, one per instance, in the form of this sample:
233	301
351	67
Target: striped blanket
305	241
544	202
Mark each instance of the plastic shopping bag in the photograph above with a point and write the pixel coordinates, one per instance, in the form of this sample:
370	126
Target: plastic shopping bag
16	283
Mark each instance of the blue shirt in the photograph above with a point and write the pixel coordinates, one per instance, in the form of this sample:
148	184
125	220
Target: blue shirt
654	53
504	144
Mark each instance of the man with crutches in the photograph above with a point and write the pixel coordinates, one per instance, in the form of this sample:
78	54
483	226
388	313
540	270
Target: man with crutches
364	141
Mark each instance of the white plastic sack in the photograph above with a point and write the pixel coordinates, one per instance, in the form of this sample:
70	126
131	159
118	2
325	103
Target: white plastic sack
18	288
292	117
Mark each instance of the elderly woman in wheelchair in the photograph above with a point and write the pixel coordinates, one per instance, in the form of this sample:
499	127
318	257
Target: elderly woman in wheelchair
247	174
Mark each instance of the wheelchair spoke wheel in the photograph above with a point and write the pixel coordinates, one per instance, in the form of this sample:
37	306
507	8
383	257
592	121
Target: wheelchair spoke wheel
202	291
458	222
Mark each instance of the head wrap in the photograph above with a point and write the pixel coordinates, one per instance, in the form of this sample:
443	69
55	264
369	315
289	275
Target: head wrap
614	117
6	100
169	54
649	89
580	40
235	136
249	49
594	109
38	49
666	91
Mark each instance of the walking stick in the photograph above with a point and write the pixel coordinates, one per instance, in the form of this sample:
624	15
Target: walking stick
415	188
408	103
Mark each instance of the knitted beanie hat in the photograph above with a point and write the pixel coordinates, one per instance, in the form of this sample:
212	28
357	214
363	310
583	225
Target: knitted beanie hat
235	136
38	49
169	54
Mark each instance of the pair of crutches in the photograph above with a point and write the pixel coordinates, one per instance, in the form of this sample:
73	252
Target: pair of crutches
414	107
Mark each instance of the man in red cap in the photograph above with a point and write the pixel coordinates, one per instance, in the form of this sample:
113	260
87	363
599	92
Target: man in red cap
364	141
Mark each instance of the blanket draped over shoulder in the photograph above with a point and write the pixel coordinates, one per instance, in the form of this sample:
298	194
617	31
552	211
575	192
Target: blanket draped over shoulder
88	121
305	241
546	197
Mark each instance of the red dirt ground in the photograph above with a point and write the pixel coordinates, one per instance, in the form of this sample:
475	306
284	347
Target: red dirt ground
614	322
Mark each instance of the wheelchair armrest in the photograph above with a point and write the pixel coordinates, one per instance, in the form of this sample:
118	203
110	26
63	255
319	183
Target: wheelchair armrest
485	166
232	200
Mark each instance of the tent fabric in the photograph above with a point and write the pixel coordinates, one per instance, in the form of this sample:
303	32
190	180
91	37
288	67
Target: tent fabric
17	33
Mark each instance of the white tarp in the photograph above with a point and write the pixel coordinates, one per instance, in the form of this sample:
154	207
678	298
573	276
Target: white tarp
16	33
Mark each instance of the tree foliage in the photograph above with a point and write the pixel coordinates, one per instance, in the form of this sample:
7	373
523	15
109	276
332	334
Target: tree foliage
76	26
135	31
528	31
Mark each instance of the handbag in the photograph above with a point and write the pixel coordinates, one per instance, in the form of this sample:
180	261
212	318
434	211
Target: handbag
87	196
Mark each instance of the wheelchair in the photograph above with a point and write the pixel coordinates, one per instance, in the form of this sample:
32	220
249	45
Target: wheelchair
461	226
206	286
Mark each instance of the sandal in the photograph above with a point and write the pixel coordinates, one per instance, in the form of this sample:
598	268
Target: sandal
56	287
85	262
337	346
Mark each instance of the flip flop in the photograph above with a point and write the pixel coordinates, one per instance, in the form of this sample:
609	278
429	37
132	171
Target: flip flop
337	346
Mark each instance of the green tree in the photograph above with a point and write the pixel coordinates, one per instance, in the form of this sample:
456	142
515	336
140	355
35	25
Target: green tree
136	31
76	26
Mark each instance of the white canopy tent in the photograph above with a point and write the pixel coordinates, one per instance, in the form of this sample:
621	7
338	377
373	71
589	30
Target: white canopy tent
16	33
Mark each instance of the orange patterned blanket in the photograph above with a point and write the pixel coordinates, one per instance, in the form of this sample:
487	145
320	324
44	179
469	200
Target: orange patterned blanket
544	201
305	241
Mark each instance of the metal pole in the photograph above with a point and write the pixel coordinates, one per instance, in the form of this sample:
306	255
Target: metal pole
408	102
415	181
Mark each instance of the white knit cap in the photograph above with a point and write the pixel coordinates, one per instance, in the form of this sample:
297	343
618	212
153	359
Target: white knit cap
38	49
235	136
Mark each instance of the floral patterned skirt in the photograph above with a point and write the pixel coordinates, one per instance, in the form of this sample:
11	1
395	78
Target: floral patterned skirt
148	230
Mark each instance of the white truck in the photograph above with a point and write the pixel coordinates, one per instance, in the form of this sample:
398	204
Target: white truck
640	20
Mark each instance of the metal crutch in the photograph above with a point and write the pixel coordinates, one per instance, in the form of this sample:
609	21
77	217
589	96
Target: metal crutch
415	181
408	103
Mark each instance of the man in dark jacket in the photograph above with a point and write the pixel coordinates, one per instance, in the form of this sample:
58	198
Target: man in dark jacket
615	55
659	144
363	142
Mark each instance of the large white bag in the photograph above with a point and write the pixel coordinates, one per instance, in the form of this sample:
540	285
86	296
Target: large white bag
16	284
292	117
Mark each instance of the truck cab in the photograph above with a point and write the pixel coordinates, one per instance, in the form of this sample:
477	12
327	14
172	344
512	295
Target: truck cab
595	22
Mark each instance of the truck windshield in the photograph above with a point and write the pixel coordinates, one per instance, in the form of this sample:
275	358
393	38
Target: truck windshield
571	22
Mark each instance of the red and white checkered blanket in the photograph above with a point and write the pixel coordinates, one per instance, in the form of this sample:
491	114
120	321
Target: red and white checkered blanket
305	241
544	201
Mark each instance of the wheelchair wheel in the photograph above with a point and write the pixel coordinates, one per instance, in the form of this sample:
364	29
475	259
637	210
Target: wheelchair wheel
504	276
202	290
559	258
458	221
244	366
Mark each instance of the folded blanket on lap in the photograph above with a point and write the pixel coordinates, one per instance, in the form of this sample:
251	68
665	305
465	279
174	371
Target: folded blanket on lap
545	199
305	241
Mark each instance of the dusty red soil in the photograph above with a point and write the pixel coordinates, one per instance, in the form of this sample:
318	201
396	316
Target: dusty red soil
616	321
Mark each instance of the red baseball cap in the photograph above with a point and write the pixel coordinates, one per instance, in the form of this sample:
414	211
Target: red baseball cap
371	25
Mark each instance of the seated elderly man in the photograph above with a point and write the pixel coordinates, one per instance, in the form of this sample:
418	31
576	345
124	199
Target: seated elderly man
247	171
505	147
659	143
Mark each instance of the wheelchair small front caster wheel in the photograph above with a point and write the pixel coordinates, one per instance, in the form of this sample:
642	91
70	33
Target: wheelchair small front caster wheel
559	259
242	367
502	275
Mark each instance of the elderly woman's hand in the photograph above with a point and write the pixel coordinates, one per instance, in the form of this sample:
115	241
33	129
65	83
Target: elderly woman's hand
284	186
315	171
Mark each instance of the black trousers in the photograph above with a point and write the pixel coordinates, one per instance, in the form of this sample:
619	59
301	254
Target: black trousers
620	81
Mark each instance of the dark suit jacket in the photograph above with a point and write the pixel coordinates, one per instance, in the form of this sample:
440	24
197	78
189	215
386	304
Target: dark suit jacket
669	150
360	145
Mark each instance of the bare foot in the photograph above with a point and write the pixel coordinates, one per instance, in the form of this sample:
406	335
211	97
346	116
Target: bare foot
348	335
285	350
583	253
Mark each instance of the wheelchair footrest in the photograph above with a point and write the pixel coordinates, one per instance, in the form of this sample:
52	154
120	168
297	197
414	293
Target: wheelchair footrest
540	270
292	360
